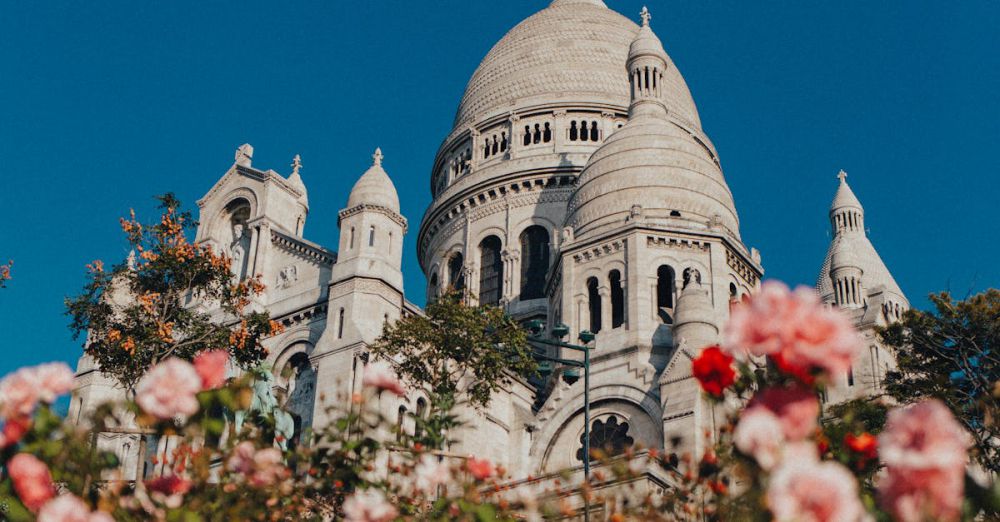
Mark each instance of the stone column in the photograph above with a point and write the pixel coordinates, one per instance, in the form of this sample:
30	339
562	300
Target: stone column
605	292
607	125
514	143
474	149
558	130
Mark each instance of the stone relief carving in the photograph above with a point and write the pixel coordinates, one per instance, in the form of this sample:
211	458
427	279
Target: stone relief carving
287	276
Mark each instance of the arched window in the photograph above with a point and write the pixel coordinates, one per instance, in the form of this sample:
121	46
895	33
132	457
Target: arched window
486	149
503	141
400	417
419	414
495	146
456	276
534	261
547	133
490	270
537	136
609	436
301	393
617	299
584	134
371	236
594	300
593	131
527	135
350	245
432	290
340	324
665	293
574	133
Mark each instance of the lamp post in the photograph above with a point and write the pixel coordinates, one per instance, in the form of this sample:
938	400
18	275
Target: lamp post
559	331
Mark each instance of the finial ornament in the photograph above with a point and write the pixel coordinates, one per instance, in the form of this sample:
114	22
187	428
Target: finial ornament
842	176
296	164
377	157
644	14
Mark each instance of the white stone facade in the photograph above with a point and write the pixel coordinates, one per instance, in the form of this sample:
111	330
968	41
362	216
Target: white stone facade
576	187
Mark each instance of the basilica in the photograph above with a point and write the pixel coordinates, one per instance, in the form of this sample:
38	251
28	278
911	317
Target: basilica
577	186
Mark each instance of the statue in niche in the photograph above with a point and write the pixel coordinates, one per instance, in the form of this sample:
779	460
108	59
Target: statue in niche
264	404
691	275
238	250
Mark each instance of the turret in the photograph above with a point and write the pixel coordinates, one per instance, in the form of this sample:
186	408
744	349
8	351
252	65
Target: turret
854	276
646	62
372	229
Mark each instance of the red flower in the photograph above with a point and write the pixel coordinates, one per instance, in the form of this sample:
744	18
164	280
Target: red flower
482	469
13	430
714	370
169	485
865	445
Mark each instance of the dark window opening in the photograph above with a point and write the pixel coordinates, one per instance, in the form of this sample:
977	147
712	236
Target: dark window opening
490	271
594	299
594	134
340	324
527	135
456	276
665	293
534	262
617	299
547	134
608	437
574	134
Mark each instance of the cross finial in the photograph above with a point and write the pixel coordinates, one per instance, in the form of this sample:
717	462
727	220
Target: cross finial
377	157
296	164
644	14
842	176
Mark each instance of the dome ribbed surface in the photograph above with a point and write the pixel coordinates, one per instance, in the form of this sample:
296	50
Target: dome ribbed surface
573	51
874	273
653	163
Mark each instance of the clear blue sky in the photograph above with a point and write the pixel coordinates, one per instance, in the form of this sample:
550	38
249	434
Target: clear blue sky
104	104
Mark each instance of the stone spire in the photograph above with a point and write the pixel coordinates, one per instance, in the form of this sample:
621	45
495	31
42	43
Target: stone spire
646	63
846	213
853	271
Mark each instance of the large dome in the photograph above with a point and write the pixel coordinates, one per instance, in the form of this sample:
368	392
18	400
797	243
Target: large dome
574	50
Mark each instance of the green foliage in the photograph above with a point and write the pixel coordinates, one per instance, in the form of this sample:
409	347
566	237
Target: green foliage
157	304
953	353
455	351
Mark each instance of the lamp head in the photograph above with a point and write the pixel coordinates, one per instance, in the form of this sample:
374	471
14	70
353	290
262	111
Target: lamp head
586	336
560	330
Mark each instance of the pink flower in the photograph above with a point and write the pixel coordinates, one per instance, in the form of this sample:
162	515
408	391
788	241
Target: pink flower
804	489
381	376
32	480
260	468
169	390
369	505
211	367
53	380
794	328
430	473
69	508
18	394
925	453
482	469
759	434
797	408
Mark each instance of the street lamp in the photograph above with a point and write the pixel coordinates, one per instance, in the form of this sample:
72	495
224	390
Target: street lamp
559	331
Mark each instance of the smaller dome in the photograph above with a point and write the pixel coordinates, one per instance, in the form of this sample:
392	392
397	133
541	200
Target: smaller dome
646	42
375	188
844	256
